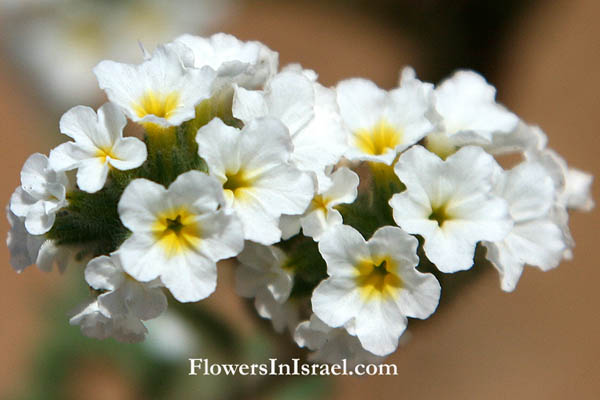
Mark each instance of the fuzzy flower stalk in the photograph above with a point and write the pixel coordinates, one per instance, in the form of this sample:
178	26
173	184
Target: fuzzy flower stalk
241	160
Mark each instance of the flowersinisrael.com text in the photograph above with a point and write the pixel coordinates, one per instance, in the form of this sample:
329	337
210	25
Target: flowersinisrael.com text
203	366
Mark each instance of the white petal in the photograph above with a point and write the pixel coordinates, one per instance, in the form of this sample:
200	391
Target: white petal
92	322
21	202
190	277
262	267
146	303
141	201
111	120
529	191
66	156
38	221
289	226
219	146
344	187
265	143
198	189
379	324
23	247
291	99
91	175
336	301
342	247
129	153
248	104
578	190
142	257
79	123
222	235
466	103
104	273
539	243
393	241
361	103
316	223
420	294
284	189
259	224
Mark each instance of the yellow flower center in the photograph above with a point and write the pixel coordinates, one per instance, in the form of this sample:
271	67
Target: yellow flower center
177	231
104	154
377	278
378	140
158	104
319	203
440	215
237	184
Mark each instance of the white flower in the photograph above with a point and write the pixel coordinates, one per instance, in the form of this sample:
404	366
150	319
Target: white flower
450	203
93	323
307	109
42	193
178	234
573	186
535	239
578	190
99	145
468	113
248	64
162	91
265	275
27	249
331	345
258	180
321	214
123	294
383	123
282	315
522	139
263	268
375	283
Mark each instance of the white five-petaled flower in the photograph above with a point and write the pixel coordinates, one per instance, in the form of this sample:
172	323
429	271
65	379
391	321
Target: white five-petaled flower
119	311
27	249
258	180
123	294
450	203
264	273
93	323
98	145
381	123
283	316
162	91
535	238
307	109
573	186
374	283
524	138
332	345
178	234
248	64
321	214
467	114
263	268
42	193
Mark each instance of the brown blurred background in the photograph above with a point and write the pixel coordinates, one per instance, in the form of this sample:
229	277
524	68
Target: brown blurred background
540	342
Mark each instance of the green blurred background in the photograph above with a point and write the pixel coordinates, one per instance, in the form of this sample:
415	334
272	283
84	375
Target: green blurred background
540	342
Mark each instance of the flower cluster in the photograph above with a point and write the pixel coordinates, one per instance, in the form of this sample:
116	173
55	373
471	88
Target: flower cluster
344	206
